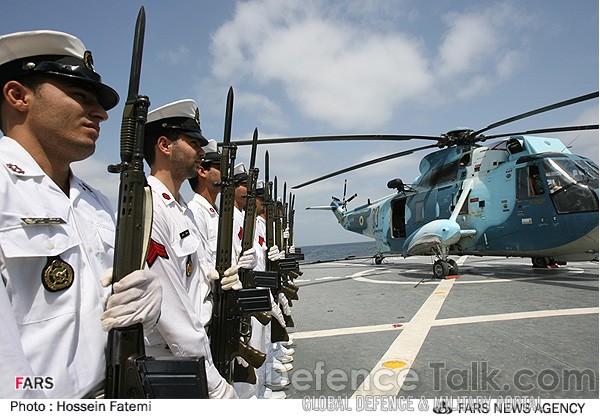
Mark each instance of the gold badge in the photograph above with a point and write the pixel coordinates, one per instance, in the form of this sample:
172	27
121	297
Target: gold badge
57	275
197	116
88	60
189	267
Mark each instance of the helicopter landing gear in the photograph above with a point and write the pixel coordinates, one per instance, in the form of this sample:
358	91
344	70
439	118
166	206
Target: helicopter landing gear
443	268
440	268
378	258
542	262
453	267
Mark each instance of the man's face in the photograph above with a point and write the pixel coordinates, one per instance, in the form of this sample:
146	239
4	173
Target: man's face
186	156
240	196
260	206
213	175
65	117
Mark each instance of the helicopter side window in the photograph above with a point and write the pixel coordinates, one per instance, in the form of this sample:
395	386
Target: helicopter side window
536	184
529	182
419	211
465	207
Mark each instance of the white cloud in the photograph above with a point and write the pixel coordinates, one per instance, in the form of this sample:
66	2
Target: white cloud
333	71
175	56
352	69
481	48
264	110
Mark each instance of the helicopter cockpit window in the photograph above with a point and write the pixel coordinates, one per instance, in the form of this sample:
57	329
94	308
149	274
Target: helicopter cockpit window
570	184
529	182
443	174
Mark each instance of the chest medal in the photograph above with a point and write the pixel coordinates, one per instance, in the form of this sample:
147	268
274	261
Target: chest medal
57	274
189	267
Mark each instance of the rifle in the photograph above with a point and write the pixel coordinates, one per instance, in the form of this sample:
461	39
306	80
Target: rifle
229	306
273	234
129	373
297	254
249	277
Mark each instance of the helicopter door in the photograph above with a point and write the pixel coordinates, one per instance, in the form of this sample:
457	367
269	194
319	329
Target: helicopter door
398	226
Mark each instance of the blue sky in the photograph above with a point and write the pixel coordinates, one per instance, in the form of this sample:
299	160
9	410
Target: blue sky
322	67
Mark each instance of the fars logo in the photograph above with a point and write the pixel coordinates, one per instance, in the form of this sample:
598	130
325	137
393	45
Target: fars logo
34	383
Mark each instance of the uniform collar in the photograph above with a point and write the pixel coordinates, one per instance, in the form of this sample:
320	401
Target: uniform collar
203	202
164	193
17	161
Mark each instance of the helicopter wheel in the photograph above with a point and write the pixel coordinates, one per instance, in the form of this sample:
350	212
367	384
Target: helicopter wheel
378	258
453	267
440	269
540	262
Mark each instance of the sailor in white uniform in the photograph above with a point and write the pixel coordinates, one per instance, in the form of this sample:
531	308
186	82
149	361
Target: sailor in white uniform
204	208
57	232
173	150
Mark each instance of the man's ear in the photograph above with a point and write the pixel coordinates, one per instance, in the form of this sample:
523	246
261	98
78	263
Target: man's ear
164	145
17	95
202	172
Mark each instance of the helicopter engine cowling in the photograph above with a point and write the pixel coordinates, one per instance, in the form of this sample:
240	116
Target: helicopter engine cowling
437	233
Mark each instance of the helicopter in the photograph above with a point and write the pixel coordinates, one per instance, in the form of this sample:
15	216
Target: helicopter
523	196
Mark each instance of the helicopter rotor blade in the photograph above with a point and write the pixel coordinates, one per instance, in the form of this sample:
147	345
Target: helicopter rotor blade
538	111
547	130
329	138
364	164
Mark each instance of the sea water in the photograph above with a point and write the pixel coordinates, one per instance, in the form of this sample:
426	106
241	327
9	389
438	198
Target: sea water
322	253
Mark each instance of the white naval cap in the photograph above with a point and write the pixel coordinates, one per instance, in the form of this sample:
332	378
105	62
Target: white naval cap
239	173
260	188
212	153
211	146
51	52
181	115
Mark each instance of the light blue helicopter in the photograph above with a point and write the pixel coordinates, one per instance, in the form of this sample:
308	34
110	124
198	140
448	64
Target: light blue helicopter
524	196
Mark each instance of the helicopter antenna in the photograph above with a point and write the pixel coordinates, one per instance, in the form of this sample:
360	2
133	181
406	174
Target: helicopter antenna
570	144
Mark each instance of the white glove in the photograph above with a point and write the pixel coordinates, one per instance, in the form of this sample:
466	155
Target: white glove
136	298
230	279
276	313
223	391
281	255
292	249
286	233
285	306
212	275
248	260
273	254
242	362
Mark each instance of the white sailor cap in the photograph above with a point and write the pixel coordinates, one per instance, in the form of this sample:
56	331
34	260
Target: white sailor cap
51	52
239	173
212	153
260	188
181	115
